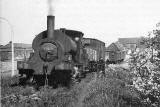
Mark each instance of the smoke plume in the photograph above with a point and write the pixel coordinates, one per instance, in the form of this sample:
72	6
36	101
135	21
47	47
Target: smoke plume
51	7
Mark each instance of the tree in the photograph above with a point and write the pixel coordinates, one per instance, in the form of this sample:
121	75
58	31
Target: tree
145	66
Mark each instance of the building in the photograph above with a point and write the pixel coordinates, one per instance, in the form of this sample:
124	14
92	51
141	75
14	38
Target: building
21	51
131	43
115	52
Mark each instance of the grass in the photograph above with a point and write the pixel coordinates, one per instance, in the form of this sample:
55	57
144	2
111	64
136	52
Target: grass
110	90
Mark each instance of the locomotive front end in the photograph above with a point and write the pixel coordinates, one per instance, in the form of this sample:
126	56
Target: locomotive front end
53	54
47	49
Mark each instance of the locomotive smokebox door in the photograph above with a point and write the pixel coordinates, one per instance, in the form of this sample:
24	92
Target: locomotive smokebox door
48	52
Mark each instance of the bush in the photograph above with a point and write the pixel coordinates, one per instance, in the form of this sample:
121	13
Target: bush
109	90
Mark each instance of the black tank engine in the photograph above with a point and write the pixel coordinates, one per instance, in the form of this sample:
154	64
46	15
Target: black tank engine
58	55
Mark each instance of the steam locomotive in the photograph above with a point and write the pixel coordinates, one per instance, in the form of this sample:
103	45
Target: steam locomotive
59	54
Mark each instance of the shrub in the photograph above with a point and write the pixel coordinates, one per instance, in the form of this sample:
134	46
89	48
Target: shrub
109	90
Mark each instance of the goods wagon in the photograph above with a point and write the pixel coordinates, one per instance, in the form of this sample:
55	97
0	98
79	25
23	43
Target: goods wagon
115	53
95	49
96	53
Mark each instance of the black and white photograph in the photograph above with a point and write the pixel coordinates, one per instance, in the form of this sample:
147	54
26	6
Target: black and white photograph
80	53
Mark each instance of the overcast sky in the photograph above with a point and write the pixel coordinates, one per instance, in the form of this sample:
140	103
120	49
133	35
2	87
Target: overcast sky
106	20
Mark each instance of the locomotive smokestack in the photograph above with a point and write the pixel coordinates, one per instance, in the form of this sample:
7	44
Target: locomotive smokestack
50	18
50	26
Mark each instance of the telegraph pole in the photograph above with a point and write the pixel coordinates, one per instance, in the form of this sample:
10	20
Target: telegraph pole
12	43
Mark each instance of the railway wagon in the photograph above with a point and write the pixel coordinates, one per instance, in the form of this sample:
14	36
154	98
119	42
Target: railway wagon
115	53
96	53
95	49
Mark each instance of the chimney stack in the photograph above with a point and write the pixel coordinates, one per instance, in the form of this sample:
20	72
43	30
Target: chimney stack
50	26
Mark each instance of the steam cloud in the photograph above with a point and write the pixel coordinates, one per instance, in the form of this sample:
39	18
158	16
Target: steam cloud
51	7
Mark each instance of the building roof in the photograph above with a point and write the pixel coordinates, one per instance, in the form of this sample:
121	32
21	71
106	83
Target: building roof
16	45
115	47
7	47
136	41
129	40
